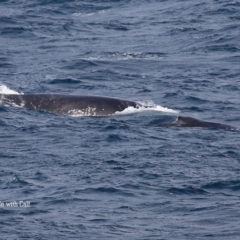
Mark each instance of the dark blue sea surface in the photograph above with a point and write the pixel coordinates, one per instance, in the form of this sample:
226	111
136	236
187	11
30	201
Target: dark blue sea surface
121	177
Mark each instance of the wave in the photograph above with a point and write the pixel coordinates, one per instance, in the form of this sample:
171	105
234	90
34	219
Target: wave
118	56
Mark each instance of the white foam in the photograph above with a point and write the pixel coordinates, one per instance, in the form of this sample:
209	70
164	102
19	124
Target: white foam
164	109
148	106
122	56
5	90
154	107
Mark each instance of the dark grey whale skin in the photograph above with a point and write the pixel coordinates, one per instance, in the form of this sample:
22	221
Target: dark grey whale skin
69	104
94	106
183	121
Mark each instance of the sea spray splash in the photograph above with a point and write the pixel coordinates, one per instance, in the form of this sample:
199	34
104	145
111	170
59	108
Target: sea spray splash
5	90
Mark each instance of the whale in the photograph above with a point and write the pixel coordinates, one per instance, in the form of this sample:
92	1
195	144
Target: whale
184	121
88	105
70	104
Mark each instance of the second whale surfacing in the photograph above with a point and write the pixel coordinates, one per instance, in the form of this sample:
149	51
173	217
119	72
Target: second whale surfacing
183	121
70	104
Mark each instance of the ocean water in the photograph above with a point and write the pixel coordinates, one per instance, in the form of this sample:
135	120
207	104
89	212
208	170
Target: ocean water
120	176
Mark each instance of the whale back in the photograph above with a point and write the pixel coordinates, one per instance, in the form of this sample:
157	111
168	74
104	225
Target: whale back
69	104
183	121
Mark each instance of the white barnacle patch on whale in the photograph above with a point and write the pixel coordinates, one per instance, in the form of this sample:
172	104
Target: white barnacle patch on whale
89	111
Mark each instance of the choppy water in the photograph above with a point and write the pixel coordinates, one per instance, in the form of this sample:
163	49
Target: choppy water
120	177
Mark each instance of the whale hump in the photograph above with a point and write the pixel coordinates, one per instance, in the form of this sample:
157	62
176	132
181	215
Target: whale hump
70	104
183	121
